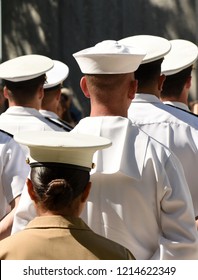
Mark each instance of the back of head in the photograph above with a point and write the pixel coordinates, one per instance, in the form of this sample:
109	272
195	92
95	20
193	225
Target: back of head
106	87
57	185
23	92
52	87
149	72
108	66
174	84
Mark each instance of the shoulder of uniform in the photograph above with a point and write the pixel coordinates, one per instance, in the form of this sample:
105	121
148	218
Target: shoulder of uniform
7	133
58	123
66	123
187	112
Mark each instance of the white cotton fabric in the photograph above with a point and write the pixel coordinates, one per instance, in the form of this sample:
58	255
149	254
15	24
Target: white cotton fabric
25	67
172	127
18	118
139	196
109	57
183	54
178	104
56	75
155	47
13	171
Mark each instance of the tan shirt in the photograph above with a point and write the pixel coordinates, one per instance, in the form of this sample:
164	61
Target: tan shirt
59	238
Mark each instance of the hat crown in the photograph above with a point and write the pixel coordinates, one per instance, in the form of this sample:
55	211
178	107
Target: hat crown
111	47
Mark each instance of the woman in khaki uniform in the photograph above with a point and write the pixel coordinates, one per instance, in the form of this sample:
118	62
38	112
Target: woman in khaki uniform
59	186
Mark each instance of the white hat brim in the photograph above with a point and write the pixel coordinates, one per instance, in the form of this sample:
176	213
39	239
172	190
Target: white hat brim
25	67
56	75
61	147
109	57
183	54
156	47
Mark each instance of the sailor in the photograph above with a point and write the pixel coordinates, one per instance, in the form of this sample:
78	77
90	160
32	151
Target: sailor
177	129
177	66
139	197
23	79
59	185
52	93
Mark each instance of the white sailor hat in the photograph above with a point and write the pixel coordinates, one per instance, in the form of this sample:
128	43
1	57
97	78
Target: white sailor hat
25	67
183	54
56	75
109	57
72	149
155	47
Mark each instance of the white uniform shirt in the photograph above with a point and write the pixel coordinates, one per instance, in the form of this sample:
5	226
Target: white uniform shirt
18	118
13	171
174	128
139	196
177	104
49	114
53	117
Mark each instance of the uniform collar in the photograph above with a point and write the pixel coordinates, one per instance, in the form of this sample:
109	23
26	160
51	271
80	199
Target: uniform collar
57	221
49	114
129	144
146	98
177	104
20	110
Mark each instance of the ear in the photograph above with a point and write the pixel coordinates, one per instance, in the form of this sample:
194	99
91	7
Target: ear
31	190
196	224
41	92
133	89
5	92
86	192
188	82
161	80
58	95
83	85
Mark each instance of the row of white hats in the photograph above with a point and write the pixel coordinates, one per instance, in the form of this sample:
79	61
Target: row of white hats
106	57
178	54
109	56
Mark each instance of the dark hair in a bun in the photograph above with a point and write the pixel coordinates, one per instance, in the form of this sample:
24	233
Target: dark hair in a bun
56	186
